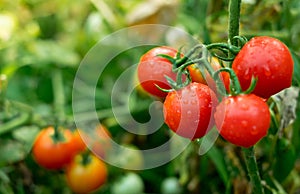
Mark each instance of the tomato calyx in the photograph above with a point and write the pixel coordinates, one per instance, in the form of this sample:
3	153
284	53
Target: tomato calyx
86	158
181	62
57	136
235	86
199	56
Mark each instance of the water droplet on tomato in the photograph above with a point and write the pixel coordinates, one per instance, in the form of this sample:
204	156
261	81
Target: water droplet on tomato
151	64
247	74
194	101
244	106
267	71
193	94
244	123
254	130
185	101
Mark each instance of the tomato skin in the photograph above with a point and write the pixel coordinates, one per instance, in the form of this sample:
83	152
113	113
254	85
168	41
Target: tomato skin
188	111
54	155
152	70
85	178
79	144
269	60
243	120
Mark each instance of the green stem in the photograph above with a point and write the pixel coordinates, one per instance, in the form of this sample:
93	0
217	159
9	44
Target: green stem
59	103
18	121
233	31
3	86
59	97
86	158
234	21
253	172
235	87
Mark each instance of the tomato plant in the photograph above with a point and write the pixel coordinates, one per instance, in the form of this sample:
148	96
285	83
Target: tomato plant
54	153
86	173
197	76
243	120
267	59
152	70
188	111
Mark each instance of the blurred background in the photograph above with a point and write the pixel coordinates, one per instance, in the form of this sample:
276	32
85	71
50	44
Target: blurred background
39	36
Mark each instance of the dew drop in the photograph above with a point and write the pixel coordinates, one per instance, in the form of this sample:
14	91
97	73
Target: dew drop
244	106
244	123
247	74
267	71
254	130
194	102
193	94
151	64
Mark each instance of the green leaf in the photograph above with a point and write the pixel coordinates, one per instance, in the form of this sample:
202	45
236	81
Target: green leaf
6	188
218	159
3	177
26	135
11	151
49	53
296	75
285	159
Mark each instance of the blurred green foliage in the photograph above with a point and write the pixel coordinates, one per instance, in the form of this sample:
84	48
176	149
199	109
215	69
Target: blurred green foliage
38	36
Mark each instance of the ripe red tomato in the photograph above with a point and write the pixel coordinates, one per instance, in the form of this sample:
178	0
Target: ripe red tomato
86	177
243	120
152	70
269	60
55	155
188	111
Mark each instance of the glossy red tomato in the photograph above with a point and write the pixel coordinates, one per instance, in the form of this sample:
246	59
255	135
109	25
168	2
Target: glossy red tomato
188	111
86	177
55	155
269	60
152	70
243	120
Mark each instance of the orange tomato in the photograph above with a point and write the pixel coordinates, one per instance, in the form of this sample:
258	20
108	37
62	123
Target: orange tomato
51	154
86	176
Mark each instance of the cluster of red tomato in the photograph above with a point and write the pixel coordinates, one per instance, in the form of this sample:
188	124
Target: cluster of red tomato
242	117
63	149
